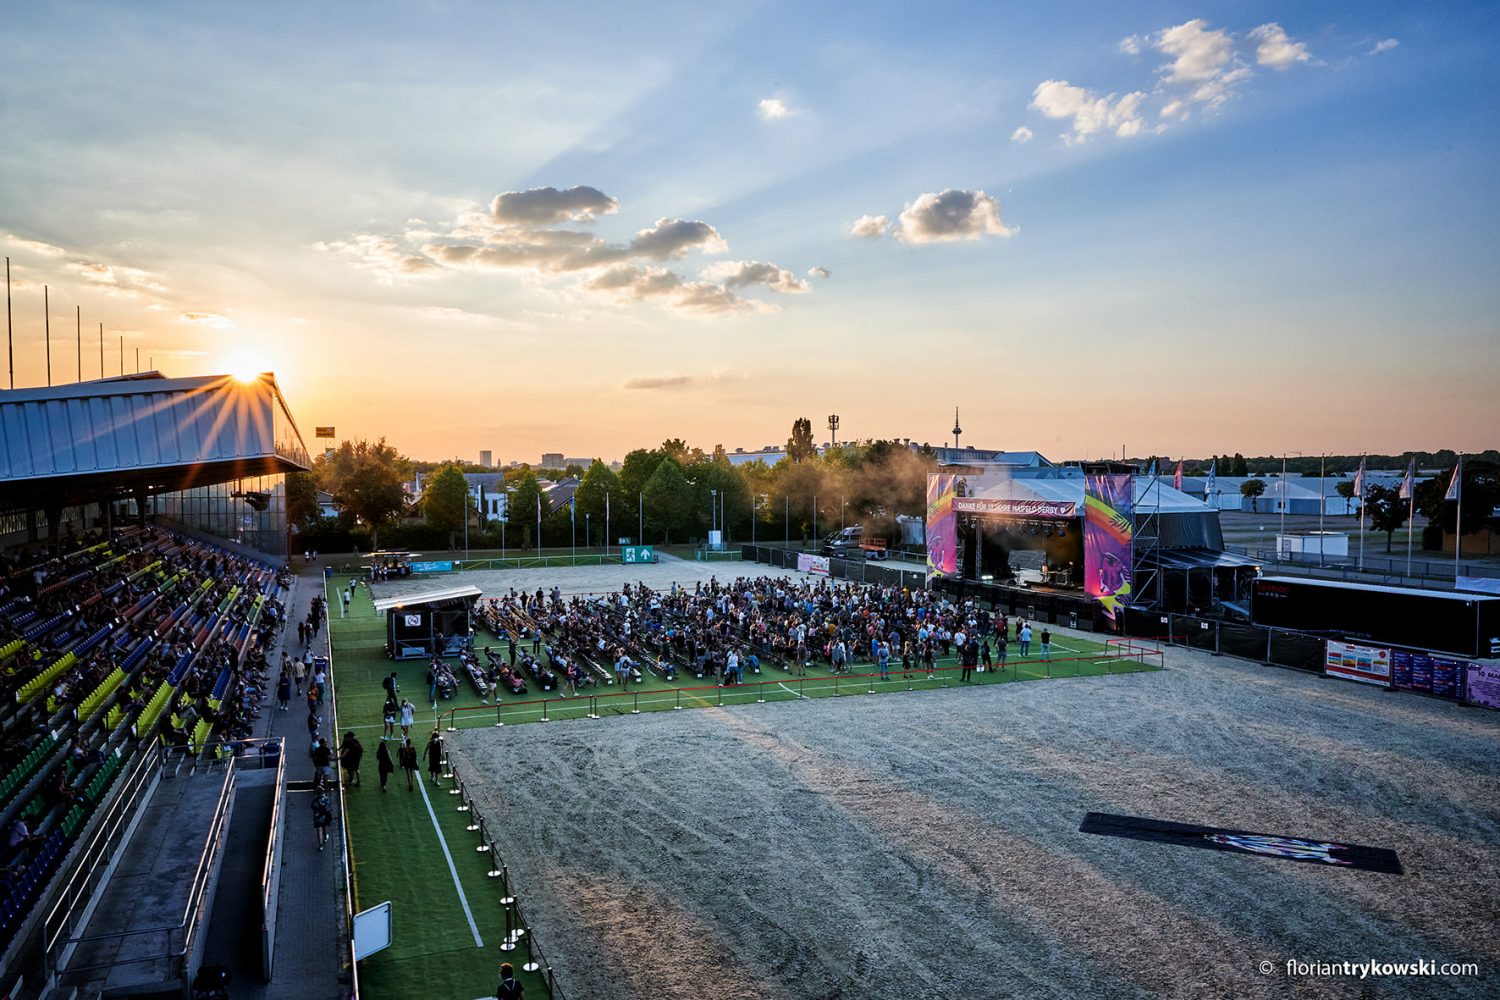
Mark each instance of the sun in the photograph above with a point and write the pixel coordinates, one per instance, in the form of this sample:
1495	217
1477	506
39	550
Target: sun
245	366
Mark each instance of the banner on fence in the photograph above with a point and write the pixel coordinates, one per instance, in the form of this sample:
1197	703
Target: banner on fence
942	525
1482	685
1108	508
812	564
1432	674
445	566
1366	664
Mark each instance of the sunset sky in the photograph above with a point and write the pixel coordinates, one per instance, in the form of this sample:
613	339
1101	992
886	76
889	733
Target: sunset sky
1182	228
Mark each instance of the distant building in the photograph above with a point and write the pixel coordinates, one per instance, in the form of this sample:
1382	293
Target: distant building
583	463
552	460
487	459
489	492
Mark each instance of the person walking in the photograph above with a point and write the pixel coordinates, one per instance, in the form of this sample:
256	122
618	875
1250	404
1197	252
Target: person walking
406	755
1025	639
390	684
968	657
906	659
435	756
510	987
351	752
388	714
299	673
283	690
322	758
1046	644
884	659
929	655
322	811
408	716
1002	646
347	598
383	763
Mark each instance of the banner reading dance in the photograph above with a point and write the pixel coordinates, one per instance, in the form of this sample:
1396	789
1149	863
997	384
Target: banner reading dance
1108	506
942	526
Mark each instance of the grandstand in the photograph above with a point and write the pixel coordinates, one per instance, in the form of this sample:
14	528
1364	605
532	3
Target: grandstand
142	590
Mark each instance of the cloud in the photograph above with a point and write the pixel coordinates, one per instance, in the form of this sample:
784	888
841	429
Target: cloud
868	227
663	382
1131	46
208	319
675	237
635	284
548	204
35	246
1275	49
952	215
1022	134
773	109
1384	45
819	272
1198	53
745	273
381	255
1175	109
1090	113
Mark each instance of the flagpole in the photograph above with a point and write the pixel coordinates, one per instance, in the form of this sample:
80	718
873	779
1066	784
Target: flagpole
1411	509
606	525
1322	490
1458	515
10	344
1361	492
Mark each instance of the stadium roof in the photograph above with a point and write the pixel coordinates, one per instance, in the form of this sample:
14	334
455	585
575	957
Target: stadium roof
90	441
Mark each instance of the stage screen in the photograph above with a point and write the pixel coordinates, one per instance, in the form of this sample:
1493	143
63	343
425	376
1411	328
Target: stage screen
1108	505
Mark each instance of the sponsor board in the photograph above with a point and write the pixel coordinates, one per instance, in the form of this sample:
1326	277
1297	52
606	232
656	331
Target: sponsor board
1482	685
812	564
1366	664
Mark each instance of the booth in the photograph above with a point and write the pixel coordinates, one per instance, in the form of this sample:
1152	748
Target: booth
437	623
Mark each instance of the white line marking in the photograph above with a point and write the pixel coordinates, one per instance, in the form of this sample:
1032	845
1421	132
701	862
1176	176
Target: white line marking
463	900
789	690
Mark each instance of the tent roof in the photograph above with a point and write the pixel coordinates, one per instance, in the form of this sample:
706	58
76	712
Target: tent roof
1151	497
431	597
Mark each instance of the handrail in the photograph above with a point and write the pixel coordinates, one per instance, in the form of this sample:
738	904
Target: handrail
276	808
98	853
344	858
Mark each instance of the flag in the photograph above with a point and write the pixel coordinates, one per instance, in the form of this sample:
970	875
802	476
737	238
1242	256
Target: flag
1359	480
1213	468
1455	485
572	508
1152	471
1177	478
1409	481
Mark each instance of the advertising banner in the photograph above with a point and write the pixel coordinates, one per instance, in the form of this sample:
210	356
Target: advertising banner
1016	508
1431	674
445	566
1483	685
942	525
1366	664
1108	506
812	564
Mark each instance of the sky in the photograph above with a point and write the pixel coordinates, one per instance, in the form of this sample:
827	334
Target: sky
1173	228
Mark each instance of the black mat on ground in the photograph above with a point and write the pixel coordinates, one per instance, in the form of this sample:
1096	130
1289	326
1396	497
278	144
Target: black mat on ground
1374	859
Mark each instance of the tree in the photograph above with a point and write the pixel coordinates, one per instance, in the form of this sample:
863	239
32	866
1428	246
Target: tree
1240	468
445	501
301	499
1252	488
800	447
634	472
668	499
366	480
1481	494
1387	510
522	507
597	481
1345	489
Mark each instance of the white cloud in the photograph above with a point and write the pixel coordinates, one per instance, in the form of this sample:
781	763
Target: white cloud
214	320
743	273
1175	109
869	227
1022	134
1274	49
1089	112
951	215
35	246
548	204
773	109
1384	45
819	272
674	237
1198	54
1131	46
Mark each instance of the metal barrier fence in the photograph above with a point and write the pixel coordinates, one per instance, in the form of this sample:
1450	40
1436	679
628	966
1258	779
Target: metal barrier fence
853	570
518	931
270	879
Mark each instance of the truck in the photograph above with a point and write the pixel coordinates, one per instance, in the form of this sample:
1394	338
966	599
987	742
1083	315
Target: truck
850	543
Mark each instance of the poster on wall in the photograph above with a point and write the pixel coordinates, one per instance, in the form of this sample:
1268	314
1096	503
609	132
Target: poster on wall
1108	506
1366	664
942	526
812	564
1482	684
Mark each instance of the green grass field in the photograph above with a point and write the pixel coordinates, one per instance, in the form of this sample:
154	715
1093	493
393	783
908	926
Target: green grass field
401	852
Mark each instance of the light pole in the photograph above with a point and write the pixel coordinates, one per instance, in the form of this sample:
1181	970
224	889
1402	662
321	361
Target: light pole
787	541
588	531
1281	539
843	503
1322	485
713	512
815	520
640	507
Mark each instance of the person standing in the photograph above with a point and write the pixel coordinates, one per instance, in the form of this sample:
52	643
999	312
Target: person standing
392	688
407	757
510	987
322	811
299	673
322	758
968	656
351	752
435	756
1046	644
283	690
1002	646
1025	638
347	598
883	657
408	716
383	763
388	715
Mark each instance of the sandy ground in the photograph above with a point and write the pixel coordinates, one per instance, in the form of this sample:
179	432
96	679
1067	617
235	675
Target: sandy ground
926	845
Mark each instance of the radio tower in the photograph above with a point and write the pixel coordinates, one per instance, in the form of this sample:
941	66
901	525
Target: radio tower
957	430
833	430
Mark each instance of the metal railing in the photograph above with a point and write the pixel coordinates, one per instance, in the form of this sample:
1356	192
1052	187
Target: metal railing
270	878
185	931
72	905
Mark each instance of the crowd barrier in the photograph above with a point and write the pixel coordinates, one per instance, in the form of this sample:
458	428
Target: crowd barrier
785	687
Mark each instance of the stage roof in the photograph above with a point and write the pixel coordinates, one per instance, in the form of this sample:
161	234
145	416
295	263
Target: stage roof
90	441
431	597
1151	496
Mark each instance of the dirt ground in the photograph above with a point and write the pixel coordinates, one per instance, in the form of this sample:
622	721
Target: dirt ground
926	845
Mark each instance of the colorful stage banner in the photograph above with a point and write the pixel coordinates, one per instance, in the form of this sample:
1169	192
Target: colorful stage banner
1366	664
1483	685
1108	509
1016	508
942	525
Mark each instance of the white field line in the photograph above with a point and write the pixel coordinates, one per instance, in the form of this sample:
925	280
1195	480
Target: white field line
443	841
789	690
